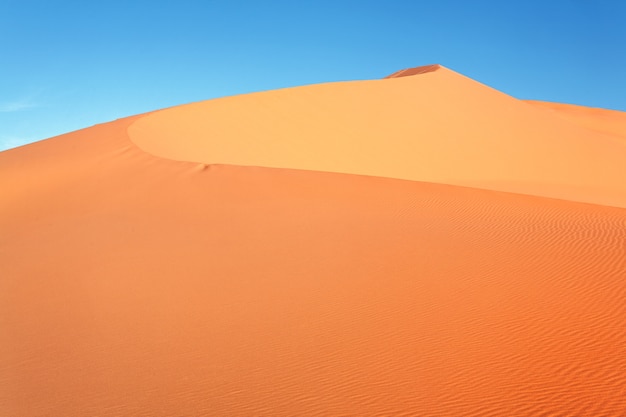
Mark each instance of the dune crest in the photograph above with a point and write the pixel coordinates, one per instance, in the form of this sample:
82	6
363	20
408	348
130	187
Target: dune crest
415	71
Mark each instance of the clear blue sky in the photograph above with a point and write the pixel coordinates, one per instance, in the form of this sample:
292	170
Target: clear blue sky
66	65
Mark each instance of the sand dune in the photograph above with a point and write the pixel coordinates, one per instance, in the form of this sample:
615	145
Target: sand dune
312	251
438	126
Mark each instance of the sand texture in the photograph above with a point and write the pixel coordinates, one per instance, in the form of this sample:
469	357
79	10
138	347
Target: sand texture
421	245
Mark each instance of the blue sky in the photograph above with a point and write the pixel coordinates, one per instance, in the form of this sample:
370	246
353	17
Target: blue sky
66	65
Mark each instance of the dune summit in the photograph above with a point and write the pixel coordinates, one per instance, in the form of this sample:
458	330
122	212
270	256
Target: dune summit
417	245
414	71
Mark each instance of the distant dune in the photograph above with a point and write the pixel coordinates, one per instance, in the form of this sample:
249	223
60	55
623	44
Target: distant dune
609	122
421	245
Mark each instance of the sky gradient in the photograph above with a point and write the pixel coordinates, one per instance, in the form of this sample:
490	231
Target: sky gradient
66	65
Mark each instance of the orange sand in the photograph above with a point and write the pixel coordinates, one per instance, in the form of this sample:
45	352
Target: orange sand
601	120
312	252
438	126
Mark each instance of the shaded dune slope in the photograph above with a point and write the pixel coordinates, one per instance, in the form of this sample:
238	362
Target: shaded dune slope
415	71
135	284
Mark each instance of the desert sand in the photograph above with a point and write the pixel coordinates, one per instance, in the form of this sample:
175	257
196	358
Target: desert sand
420	245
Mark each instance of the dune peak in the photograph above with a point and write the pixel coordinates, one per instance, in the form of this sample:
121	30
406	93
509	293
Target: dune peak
407	72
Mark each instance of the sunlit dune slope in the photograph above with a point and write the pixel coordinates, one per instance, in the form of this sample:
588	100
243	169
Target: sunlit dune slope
610	122
138	283
436	126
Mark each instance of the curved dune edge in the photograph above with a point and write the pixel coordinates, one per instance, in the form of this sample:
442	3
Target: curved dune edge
437	126
137	285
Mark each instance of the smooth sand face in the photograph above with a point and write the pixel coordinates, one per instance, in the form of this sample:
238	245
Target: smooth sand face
135	284
437	126
610	122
